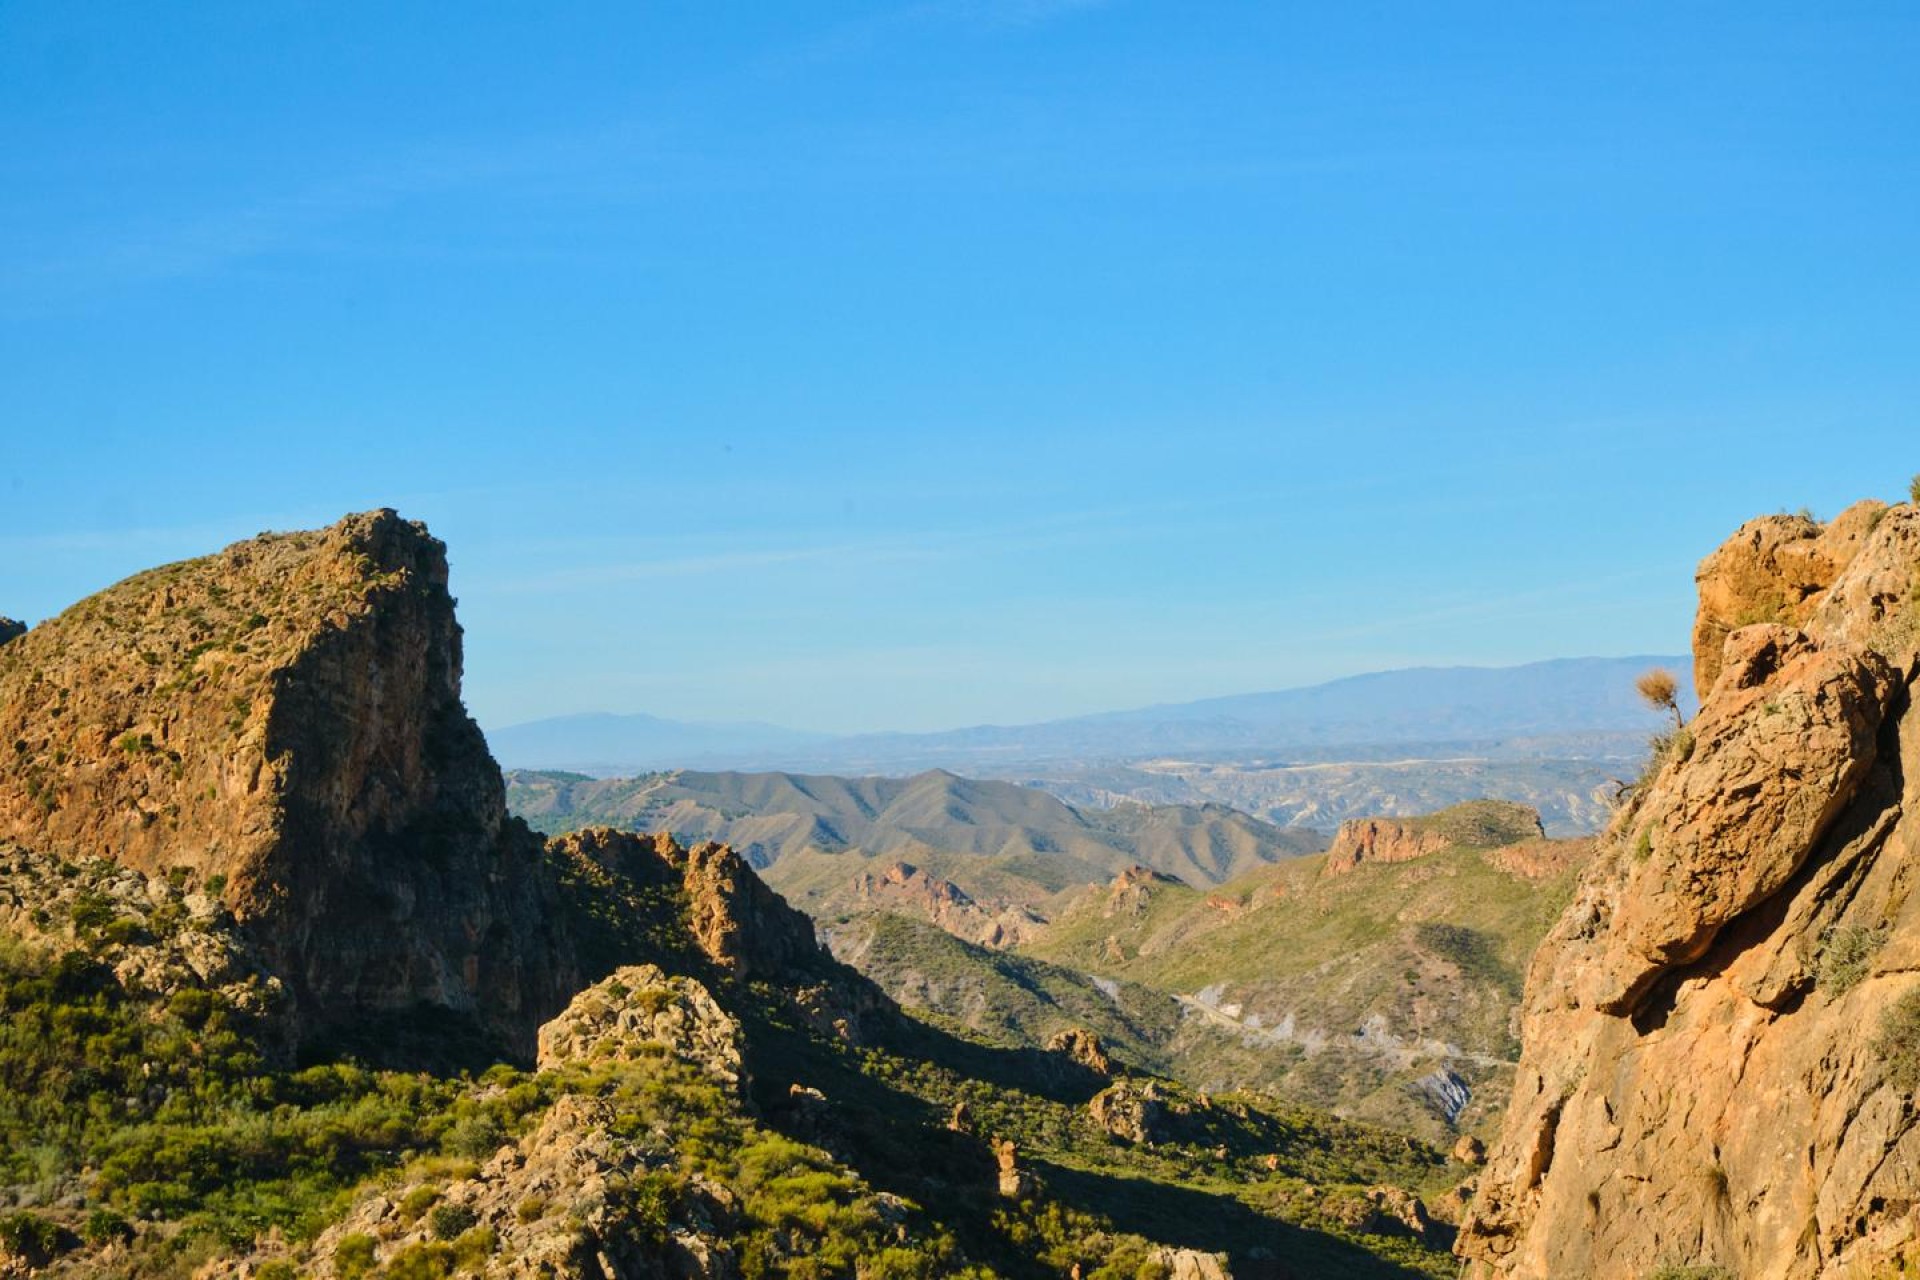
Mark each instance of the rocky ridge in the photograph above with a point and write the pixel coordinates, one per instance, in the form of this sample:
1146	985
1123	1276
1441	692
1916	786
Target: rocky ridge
1718	1066
905	888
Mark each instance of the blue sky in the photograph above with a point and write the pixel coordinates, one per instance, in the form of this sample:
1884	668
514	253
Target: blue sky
913	365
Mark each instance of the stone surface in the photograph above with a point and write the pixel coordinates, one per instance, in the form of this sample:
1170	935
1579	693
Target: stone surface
1697	1088
280	727
555	1202
1013	1182
282	723
1191	1264
1132	1111
1379	840
11	629
1771	570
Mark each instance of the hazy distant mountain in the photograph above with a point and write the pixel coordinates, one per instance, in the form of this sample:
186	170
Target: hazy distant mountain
603	742
1590	696
1418	705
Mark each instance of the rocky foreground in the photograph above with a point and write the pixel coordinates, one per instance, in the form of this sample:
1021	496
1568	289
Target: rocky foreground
1722	1033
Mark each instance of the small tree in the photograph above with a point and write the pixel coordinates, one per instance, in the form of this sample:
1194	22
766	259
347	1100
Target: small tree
1913	489
1659	690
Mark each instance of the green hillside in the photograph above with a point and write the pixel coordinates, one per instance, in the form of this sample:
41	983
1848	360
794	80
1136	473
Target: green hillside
1348	989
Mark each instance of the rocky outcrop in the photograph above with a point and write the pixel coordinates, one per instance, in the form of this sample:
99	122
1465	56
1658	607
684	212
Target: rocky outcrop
1131	1111
1772	570
1706	1077
635	1013
279	727
158	936
1191	1264
905	888
1540	859
11	630
1379	840
1082	1047
1011	1179
567	1200
1484	824
557	1203
282	723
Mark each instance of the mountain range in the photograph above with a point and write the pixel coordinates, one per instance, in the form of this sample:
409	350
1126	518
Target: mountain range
1424	705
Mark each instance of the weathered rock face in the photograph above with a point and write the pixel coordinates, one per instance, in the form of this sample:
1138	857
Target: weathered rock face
1131	1111
1704	1079
1771	570
557	1204
1191	1264
282	721
11	630
905	888
1379	840
1485	824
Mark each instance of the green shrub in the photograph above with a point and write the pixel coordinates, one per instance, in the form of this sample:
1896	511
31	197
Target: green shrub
472	1249
449	1220
105	1226
1898	1044
353	1257
278	1269
1846	956
421	1262
1913	489
30	1237
416	1202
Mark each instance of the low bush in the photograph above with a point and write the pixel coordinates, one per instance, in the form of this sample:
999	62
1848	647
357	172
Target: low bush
1898	1044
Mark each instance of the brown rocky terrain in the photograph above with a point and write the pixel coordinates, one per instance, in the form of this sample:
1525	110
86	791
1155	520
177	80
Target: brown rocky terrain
1719	1052
280	726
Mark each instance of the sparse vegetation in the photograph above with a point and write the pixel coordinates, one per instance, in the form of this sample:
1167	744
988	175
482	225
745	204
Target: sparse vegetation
1913	490
1659	689
1846	956
1898	1044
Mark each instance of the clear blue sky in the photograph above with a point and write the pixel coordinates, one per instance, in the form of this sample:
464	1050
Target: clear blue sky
918	364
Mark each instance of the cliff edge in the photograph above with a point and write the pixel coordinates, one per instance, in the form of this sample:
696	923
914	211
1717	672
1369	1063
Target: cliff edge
1722	1032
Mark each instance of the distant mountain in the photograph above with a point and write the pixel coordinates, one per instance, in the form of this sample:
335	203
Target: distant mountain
1564	696
601	742
772	816
1585	697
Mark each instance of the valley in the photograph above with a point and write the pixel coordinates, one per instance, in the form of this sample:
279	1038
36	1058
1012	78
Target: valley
297	982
